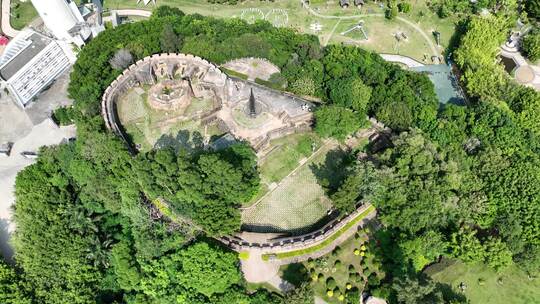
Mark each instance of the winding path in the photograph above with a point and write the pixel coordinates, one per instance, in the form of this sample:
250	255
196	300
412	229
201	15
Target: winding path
408	61
133	12
414	26
7	29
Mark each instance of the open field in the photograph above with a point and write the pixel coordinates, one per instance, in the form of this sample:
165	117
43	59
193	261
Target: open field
149	127
295	200
484	285
332	19
22	13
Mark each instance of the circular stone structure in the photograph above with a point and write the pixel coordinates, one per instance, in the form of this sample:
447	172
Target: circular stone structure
170	94
167	75
524	74
180	85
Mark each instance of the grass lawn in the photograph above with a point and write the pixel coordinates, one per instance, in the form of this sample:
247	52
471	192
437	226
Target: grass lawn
290	13
381	32
484	285
22	13
297	202
286	155
149	127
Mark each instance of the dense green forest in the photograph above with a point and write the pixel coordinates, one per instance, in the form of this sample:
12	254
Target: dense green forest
456	181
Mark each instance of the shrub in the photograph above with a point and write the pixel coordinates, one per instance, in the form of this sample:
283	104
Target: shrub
443	11
278	81
64	116
303	86
391	12
331	283
373	280
356	252
330	293
244	255
348	286
337	263
305	145
531	45
404	7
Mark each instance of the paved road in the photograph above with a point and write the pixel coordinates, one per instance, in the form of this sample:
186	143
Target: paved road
134	12
414	26
408	61
6	25
43	134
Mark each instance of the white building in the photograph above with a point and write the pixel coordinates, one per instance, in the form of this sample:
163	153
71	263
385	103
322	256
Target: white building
30	63
63	19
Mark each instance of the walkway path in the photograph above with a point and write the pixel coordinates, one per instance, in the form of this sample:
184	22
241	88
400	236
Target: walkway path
408	61
133	12
331	33
525	73
6	18
434	50
257	270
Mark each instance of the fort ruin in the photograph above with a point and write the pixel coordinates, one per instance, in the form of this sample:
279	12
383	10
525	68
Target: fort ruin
172	85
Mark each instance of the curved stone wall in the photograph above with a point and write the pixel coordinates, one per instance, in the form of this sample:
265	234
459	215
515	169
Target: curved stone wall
295	242
291	113
144	72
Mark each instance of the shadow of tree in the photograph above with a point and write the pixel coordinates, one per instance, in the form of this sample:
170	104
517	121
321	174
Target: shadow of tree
335	169
295	274
5	247
450	294
267	228
183	140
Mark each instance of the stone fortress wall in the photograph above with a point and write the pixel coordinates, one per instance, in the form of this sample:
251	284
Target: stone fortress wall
237	243
229	91
144	72
291	114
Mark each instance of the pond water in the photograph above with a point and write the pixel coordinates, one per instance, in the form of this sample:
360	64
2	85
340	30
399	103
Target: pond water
445	82
508	63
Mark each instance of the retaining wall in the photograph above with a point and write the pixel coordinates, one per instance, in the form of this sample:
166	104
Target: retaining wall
295	242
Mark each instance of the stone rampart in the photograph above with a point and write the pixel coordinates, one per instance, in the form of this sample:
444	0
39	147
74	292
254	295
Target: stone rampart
137	73
295	242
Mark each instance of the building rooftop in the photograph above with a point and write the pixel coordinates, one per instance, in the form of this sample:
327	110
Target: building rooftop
20	51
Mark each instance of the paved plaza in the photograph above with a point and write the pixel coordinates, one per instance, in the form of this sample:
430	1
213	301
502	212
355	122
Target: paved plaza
28	129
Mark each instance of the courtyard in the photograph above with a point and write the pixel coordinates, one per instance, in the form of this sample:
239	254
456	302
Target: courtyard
183	100
292	198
